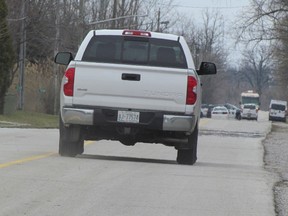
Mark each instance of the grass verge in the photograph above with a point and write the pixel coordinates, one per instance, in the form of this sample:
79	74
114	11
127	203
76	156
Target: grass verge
22	119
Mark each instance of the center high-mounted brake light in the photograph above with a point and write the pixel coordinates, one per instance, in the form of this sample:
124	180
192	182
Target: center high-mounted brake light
191	90
68	87
136	33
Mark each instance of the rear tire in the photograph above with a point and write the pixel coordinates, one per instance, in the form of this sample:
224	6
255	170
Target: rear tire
189	156
71	140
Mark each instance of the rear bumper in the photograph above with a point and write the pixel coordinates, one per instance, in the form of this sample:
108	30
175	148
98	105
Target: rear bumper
150	120
249	116
277	118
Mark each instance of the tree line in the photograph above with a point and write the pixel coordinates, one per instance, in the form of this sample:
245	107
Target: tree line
37	29
263	28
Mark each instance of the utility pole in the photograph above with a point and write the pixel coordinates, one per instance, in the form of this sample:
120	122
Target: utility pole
56	49
158	21
81	17
22	56
114	15
197	53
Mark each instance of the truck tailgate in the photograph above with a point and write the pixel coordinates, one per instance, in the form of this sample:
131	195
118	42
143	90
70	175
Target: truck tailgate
130	86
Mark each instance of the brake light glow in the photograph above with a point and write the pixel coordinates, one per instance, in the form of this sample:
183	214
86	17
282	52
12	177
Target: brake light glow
191	96
68	87
136	33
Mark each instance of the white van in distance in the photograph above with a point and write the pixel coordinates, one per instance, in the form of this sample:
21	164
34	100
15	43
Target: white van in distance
278	110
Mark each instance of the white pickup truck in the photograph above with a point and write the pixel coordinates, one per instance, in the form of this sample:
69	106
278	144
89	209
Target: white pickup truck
131	86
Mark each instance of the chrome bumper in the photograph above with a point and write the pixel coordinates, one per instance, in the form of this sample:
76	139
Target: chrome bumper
178	123
170	122
77	116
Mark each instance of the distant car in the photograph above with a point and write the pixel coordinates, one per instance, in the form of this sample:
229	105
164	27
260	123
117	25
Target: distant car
278	110
250	111
220	112
234	112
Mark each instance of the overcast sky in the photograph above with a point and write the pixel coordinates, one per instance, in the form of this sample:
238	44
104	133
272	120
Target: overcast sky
230	9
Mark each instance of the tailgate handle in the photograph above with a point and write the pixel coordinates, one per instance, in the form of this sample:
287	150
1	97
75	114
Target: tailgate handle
131	77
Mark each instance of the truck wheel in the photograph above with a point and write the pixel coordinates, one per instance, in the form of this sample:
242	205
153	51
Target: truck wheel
71	140
189	156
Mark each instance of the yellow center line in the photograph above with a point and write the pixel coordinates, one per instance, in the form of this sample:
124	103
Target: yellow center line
32	158
204	121
88	142
24	160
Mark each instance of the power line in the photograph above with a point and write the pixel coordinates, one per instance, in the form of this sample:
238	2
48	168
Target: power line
216	7
113	19
203	7
18	19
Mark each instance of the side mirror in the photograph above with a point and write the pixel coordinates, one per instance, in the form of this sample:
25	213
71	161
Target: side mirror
207	68
63	58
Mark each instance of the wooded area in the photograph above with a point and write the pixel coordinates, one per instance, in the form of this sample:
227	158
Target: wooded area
40	28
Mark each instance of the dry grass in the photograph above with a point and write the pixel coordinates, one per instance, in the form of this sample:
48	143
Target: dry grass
41	86
29	120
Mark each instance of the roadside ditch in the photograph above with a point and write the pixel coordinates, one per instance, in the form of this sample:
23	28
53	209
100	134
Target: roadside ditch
276	161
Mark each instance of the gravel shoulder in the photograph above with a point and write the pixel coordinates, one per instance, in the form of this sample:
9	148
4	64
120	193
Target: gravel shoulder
276	160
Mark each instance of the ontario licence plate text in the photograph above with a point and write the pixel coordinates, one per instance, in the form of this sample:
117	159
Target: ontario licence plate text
128	116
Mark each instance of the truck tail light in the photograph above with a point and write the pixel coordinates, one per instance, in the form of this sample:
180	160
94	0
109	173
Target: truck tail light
68	87
191	90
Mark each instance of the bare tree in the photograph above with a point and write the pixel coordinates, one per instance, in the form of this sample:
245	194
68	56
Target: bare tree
6	56
206	43
263	20
60	25
268	21
256	68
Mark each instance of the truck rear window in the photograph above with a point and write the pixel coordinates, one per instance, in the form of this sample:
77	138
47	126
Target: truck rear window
249	106
136	51
278	107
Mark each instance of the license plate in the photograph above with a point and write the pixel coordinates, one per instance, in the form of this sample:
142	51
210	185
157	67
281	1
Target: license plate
128	116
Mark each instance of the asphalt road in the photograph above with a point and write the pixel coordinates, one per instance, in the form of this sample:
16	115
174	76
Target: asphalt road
111	179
